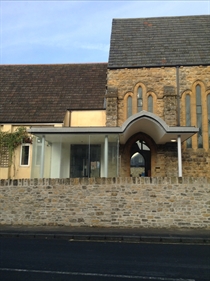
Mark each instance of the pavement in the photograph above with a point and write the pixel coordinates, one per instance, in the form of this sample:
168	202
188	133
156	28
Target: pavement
129	235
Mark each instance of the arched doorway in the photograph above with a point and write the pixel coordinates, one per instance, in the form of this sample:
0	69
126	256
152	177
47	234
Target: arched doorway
140	159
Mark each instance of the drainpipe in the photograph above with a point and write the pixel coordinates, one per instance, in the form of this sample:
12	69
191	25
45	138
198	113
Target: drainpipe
179	150
178	97
106	157
118	147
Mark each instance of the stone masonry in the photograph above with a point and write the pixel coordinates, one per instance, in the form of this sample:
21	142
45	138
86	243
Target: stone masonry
161	82
113	202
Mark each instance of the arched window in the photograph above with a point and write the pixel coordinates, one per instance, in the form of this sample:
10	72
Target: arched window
129	106
208	108
199	115
139	99
150	103
188	118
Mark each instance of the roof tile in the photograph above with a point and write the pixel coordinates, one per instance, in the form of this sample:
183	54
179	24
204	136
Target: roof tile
163	41
43	93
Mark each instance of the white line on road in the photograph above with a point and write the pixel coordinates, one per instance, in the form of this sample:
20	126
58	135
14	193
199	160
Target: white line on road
95	274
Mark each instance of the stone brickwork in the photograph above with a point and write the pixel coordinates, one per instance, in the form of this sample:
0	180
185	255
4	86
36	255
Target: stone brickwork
196	163
112	202
170	106
154	80
162	83
111	107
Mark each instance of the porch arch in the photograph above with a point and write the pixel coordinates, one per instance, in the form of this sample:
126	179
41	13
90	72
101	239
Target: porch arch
131	147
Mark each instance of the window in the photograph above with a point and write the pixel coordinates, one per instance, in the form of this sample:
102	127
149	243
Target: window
24	155
150	103
139	99
129	106
188	118
199	116
85	161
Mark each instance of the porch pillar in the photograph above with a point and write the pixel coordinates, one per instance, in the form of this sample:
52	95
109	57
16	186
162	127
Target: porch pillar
106	144
42	157
179	156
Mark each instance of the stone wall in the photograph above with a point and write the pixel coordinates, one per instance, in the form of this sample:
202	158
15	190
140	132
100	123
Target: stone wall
162	81
112	202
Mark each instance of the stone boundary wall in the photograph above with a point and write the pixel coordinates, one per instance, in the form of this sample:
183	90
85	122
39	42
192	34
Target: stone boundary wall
112	202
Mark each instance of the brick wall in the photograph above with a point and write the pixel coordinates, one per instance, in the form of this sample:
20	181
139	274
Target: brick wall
116	202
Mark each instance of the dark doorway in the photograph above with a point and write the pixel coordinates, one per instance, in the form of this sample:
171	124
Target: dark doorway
140	160
85	161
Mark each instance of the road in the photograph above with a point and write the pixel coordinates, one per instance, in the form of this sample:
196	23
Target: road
60	260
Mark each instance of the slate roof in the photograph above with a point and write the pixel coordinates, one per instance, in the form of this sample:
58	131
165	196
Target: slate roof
163	41
43	93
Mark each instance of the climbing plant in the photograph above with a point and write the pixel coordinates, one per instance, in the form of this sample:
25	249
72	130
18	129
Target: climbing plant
10	141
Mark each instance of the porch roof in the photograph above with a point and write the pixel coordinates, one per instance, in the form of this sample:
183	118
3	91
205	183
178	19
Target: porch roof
144	122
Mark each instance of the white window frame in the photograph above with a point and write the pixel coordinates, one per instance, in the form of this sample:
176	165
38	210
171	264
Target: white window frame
25	165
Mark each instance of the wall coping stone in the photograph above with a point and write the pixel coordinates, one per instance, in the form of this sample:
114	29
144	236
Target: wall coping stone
105	181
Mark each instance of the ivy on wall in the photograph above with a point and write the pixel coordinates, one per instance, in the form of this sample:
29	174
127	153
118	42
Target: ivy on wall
9	142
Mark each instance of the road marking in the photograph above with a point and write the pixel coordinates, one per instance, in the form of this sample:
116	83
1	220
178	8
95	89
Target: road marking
96	274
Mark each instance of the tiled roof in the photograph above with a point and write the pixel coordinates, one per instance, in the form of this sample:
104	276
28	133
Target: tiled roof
43	93
164	41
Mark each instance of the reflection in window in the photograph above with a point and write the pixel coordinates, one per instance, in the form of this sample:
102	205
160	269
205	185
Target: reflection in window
140	161
24	157
188	118
85	161
129	106
137	160
208	108
199	116
150	103
139	99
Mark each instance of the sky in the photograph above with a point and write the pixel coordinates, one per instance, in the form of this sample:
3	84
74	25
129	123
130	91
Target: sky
57	32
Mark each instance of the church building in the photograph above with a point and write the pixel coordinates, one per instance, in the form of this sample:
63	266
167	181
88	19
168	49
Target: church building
145	112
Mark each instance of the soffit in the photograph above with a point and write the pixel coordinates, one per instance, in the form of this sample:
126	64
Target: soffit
144	122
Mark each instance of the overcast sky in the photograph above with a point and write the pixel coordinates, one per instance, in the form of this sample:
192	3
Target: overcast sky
37	32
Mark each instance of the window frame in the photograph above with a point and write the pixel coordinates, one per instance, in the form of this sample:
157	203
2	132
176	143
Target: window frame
21	154
150	106
188	118
199	117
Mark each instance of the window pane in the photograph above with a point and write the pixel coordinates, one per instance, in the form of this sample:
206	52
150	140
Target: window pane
188	118
199	116
129	107
25	155
85	161
198	95
139	99
150	104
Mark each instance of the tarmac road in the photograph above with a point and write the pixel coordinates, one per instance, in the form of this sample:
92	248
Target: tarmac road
24	259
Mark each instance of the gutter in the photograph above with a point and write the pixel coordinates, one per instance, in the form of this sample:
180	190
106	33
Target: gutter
155	66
